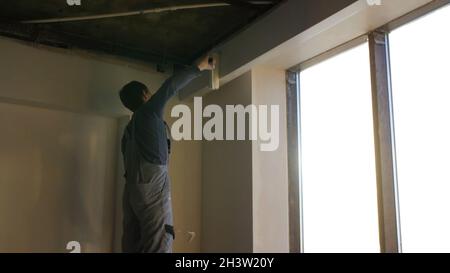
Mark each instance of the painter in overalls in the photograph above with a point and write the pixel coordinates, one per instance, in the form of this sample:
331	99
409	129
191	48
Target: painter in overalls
147	209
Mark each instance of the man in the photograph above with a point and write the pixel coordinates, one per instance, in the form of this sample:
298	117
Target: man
147	208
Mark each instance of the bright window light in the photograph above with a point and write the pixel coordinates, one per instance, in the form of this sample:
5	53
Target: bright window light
337	155
420	59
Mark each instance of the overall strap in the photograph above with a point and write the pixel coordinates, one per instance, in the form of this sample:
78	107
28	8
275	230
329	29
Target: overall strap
169	136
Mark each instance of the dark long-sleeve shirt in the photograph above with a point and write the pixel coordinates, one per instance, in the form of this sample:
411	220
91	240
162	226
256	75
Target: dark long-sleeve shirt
150	128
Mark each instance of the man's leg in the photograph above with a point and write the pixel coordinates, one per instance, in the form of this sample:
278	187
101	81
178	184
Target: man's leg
131	230
152	204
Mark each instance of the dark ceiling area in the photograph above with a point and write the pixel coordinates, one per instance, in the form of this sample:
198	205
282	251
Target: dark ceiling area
170	36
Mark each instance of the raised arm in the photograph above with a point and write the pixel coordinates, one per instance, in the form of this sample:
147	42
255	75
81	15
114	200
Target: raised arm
177	82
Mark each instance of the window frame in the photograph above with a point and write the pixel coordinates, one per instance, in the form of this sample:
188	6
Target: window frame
385	155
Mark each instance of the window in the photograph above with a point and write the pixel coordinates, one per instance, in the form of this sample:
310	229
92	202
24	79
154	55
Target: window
420	59
339	192
338	184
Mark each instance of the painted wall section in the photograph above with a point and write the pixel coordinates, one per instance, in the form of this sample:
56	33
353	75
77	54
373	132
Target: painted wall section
245	190
63	80
120	185
56	183
227	181
270	180
185	169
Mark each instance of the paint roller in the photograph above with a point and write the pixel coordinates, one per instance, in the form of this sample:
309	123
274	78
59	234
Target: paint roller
214	79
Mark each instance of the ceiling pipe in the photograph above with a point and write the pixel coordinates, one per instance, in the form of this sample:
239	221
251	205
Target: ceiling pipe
139	12
247	4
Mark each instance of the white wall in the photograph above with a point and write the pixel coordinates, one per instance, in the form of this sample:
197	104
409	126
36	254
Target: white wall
185	169
245	190
67	80
56	174
227	181
270	175
120	185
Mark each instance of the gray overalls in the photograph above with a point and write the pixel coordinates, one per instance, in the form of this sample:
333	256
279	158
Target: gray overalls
147	208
